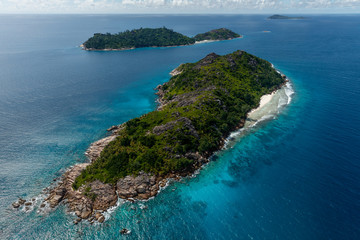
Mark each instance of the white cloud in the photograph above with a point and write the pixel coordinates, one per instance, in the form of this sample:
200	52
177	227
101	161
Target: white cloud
183	5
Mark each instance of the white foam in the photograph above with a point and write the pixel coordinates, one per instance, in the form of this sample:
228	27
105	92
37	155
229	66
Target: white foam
289	91
142	206
112	209
270	106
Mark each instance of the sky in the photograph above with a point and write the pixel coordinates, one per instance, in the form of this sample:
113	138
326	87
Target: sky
180	6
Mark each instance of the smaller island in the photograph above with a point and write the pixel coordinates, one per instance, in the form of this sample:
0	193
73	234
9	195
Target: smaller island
152	37
216	35
277	16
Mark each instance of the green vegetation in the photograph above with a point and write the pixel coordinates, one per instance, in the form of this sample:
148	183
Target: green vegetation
217	34
151	37
137	38
201	106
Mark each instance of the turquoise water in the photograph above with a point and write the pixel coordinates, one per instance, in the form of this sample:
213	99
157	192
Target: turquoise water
296	176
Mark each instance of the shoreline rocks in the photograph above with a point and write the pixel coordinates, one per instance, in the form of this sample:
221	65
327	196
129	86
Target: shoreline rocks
176	71
125	231
96	148
91	199
140	187
18	203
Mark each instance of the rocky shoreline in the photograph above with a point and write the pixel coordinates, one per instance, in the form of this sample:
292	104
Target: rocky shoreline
90	201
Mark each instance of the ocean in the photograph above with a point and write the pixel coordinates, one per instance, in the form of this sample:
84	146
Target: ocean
293	175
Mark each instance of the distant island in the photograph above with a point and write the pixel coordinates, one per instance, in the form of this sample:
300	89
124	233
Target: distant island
276	16
152	37
216	35
201	104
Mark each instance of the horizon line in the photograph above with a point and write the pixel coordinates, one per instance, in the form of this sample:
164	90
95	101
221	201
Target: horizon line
189	13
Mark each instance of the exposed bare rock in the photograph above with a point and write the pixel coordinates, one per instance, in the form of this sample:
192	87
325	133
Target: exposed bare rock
65	190
18	203
112	128
15	205
252	62
116	129
176	71
79	204
77	221
86	212
158	130
142	186
198	159
160	92
182	100
99	217
21	201
125	231
210	58
186	122
96	148
83	202
105	195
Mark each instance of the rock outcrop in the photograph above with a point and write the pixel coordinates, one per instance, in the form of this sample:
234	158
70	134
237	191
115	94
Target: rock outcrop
95	148
104	195
140	187
125	231
176	71
186	124
18	203
86	201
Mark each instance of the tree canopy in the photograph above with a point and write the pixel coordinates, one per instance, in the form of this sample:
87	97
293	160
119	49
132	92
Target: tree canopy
200	107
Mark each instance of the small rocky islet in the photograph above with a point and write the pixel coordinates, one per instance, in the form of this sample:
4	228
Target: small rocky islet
201	104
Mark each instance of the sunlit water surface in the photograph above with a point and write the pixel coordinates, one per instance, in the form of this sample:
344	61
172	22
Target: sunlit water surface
293	175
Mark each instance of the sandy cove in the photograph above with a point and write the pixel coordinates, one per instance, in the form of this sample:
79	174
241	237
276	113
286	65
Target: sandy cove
265	99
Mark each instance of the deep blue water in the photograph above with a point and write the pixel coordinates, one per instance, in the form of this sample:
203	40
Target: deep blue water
294	177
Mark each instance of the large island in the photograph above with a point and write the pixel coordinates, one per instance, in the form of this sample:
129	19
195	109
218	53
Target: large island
152	37
201	104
